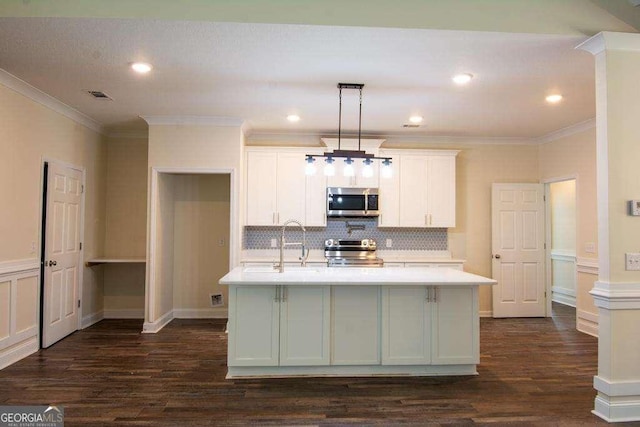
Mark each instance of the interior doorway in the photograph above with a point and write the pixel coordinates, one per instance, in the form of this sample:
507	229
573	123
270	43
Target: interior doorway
561	239
192	242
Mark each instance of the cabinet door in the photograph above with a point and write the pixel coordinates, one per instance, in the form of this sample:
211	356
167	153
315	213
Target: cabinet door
355	329
455	328
390	196
291	187
441	191
254	326
413	187
406	325
316	200
304	325
261	188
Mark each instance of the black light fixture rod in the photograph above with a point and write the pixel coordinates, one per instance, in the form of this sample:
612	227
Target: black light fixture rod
360	119
339	116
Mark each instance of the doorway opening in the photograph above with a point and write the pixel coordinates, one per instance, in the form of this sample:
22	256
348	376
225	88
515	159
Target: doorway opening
191	245
561	240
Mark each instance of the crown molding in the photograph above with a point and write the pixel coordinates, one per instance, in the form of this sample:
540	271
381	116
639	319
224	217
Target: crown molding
568	131
23	88
607	40
194	120
128	135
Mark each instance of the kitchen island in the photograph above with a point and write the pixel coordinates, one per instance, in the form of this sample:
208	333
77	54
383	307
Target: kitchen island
315	321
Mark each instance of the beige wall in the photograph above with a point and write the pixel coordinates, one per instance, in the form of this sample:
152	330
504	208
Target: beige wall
201	239
29	133
563	215
126	199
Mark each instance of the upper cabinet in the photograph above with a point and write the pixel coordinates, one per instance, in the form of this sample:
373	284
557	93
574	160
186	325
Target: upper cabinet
422	191
279	190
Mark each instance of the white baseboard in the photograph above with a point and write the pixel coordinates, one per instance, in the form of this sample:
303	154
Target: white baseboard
587	322
153	327
92	319
563	299
201	313
126	313
486	313
617	401
18	351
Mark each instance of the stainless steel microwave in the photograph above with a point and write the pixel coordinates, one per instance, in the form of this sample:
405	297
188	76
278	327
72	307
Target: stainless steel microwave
352	202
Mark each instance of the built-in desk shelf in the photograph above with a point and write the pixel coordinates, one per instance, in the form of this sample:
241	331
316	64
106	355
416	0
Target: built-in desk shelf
98	261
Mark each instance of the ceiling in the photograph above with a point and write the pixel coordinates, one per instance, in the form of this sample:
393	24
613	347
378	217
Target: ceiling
260	73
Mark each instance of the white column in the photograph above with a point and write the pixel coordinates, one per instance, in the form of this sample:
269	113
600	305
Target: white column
617	291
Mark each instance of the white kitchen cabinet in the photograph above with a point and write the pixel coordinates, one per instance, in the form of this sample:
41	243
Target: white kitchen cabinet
279	325
304	325
406	325
279	190
356	181
254	313
430	325
422	192
355	330
456	327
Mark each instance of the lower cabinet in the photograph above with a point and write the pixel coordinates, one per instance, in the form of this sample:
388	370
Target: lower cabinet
430	325
308	325
279	325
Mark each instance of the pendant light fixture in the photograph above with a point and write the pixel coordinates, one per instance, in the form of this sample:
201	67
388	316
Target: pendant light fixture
349	156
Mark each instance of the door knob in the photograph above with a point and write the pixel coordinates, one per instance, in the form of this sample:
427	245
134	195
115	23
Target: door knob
52	263
497	256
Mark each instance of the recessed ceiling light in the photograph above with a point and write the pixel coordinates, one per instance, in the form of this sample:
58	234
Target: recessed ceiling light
293	118
141	67
554	99
415	119
462	79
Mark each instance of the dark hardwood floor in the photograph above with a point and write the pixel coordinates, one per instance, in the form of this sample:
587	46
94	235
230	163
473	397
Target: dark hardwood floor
532	372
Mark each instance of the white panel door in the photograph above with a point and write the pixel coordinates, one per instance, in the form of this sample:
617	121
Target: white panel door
518	250
456	326
304	325
290	184
254	329
355	329
441	191
62	253
406	325
261	188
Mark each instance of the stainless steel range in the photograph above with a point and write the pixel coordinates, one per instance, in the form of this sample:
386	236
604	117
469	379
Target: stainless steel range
351	253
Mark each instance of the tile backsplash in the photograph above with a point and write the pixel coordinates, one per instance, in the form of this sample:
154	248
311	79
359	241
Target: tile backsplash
417	239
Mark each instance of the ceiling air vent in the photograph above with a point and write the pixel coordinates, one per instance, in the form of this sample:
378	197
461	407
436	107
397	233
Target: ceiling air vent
410	125
98	94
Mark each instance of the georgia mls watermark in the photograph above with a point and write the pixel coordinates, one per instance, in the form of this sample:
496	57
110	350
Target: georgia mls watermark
31	416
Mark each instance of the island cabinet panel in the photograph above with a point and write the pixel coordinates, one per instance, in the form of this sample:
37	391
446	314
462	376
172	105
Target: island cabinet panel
406	325
254	326
304	325
456	327
355	330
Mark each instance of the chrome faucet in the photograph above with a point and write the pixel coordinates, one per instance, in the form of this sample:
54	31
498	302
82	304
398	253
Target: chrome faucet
305	251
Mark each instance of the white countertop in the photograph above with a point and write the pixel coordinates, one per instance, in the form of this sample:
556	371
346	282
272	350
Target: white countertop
317	256
352	276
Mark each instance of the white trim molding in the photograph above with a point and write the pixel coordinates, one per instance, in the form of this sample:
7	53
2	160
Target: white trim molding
124	313
18	266
91	319
567	131
154	327
486	313
617	401
587	322
607	40
587	266
35	94
200	313
616	296
19	351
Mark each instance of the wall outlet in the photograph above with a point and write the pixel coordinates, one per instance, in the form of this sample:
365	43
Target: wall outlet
632	261
389	243
590	248
221	241
274	243
216	300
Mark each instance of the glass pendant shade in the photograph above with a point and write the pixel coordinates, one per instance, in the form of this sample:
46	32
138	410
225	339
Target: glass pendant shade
386	171
310	169
329	168
348	168
367	169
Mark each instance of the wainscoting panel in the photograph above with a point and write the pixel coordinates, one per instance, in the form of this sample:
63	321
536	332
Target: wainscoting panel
563	276
19	310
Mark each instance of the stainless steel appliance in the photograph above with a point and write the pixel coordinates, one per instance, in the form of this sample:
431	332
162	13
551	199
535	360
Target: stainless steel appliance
352	202
351	253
